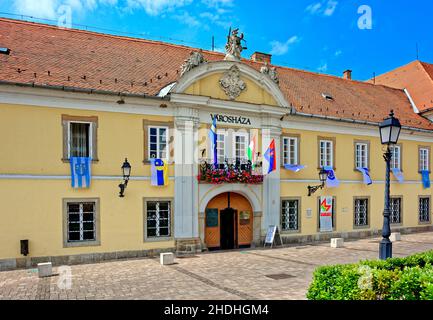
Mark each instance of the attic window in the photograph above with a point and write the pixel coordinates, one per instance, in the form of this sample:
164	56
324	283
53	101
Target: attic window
327	96
4	50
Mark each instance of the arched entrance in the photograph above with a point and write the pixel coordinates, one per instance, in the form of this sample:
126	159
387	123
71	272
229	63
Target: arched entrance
228	222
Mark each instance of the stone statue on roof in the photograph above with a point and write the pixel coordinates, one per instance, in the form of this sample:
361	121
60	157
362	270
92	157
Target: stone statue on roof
270	72
195	59
234	45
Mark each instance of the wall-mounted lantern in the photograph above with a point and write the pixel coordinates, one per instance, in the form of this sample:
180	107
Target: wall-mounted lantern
126	171
323	175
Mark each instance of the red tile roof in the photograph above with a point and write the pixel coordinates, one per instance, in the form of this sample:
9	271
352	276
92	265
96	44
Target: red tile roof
417	78
47	55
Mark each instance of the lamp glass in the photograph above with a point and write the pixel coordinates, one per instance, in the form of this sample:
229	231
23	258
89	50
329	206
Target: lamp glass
126	168
323	175
385	134
395	133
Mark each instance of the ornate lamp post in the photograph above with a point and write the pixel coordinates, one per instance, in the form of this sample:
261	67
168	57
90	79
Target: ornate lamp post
126	171
389	134
323	175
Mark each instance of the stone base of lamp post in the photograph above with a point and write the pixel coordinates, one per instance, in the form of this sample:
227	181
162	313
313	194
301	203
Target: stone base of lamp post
385	249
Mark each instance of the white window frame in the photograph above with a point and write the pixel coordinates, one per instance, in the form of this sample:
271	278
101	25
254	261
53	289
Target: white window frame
222	156
424	159
247	142
91	124
158	150
395	162
323	156
360	161
290	142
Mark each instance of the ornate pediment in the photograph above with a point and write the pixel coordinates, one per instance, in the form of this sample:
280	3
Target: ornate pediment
195	59
232	84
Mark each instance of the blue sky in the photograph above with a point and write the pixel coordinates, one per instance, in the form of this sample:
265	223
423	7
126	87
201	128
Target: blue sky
316	35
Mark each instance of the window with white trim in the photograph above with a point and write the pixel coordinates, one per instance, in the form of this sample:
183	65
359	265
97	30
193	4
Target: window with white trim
158	142
221	146
81	221
361	155
290	215
158	216
240	145
424	164
290	150
361	212
424	209
395	157
395	208
326	156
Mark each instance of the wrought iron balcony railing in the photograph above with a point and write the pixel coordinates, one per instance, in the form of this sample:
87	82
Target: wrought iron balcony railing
230	171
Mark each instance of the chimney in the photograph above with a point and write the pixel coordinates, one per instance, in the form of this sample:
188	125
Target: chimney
347	74
261	57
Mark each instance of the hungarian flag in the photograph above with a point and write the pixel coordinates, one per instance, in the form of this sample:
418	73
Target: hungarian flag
252	150
270	156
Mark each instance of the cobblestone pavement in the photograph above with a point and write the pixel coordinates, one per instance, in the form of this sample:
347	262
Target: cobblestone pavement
279	273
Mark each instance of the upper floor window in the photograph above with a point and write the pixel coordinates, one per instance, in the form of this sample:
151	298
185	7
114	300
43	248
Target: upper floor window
240	145
361	155
424	159
221	146
395	157
158	142
290	150
79	137
326	156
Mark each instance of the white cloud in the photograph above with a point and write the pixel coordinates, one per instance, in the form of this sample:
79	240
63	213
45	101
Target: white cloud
218	3
338	53
157	7
187	19
47	9
323	67
324	7
281	48
216	19
41	9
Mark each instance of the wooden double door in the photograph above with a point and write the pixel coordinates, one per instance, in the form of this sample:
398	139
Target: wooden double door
228	222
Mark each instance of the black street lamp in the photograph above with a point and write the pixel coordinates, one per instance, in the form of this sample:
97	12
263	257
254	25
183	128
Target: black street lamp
389	133
323	175
126	171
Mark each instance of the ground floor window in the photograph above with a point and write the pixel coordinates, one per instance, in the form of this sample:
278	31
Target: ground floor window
81	222
361	212
395	207
158	217
290	215
424	209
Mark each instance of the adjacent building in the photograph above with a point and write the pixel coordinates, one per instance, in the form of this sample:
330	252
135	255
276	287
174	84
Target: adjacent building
69	93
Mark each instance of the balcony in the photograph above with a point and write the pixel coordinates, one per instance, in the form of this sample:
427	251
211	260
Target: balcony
231	171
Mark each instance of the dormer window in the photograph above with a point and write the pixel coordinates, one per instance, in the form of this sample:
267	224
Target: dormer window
4	50
327	96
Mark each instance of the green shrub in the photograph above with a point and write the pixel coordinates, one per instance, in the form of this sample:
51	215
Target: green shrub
409	278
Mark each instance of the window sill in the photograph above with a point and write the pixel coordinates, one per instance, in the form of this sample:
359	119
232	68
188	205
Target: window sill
69	160
81	244
361	227
289	232
424	223
159	239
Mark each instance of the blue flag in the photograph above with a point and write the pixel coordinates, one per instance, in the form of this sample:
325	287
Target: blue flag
425	179
294	167
398	175
159	172
366	175
213	139
80	172
331	181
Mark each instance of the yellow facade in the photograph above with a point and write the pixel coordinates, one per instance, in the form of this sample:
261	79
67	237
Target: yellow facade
35	178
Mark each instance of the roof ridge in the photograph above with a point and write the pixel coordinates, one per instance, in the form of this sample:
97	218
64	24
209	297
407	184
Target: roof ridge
129	38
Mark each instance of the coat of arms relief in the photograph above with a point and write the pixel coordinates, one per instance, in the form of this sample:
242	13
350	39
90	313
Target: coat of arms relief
232	84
